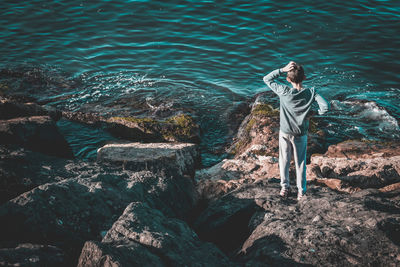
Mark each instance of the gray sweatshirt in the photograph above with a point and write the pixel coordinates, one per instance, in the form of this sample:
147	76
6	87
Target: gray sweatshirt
295	105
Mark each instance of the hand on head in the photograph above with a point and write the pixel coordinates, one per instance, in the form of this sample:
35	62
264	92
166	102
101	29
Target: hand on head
289	66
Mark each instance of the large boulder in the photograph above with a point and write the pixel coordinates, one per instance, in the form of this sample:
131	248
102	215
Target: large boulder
353	165
38	133
170	242
180	158
74	210
259	228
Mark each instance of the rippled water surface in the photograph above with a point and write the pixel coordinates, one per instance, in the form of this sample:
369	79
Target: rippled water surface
205	58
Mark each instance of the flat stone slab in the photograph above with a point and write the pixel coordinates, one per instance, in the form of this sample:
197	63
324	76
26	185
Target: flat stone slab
180	158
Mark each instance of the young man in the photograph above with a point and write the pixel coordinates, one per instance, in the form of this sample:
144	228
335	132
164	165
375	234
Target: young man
295	107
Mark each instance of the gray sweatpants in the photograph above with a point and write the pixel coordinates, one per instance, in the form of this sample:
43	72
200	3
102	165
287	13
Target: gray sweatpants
297	146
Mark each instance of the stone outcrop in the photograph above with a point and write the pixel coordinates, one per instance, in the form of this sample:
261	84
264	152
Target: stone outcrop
326	228
38	133
261	127
166	241
353	165
180	158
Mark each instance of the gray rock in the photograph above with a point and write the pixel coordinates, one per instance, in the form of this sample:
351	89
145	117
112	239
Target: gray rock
71	211
38	133
180	158
21	170
33	255
169	238
118	253
325	229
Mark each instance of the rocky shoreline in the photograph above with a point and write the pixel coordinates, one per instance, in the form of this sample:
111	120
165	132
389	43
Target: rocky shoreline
147	203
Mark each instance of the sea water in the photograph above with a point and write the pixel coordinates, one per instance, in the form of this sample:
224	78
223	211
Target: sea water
205	58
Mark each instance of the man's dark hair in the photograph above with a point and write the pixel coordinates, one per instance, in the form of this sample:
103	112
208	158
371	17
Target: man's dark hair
296	75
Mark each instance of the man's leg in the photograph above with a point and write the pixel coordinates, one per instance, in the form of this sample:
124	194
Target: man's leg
300	152
285	154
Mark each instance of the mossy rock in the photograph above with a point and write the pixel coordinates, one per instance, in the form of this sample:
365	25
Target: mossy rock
178	128
265	110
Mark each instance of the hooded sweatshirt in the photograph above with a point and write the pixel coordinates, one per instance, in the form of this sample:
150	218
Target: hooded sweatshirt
295	105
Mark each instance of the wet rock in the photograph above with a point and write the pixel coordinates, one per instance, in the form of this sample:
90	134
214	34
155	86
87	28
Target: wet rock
71	211
10	108
177	128
82	117
38	133
33	255
326	228
356	164
181	158
172	240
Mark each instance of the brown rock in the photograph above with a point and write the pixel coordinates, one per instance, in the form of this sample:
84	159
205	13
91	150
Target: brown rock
390	188
261	127
358	165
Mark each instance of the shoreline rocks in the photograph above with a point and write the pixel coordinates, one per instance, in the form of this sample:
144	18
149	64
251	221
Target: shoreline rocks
139	204
353	165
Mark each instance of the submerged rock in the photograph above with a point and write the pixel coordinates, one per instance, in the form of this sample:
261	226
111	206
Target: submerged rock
177	158
177	128
38	133
165	241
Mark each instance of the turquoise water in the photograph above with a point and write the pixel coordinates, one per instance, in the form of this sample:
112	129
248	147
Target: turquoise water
205	58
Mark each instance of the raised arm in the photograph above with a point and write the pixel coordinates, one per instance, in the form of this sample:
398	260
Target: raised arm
322	103
269	80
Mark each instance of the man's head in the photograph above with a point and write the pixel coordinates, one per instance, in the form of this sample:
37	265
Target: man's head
296	74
